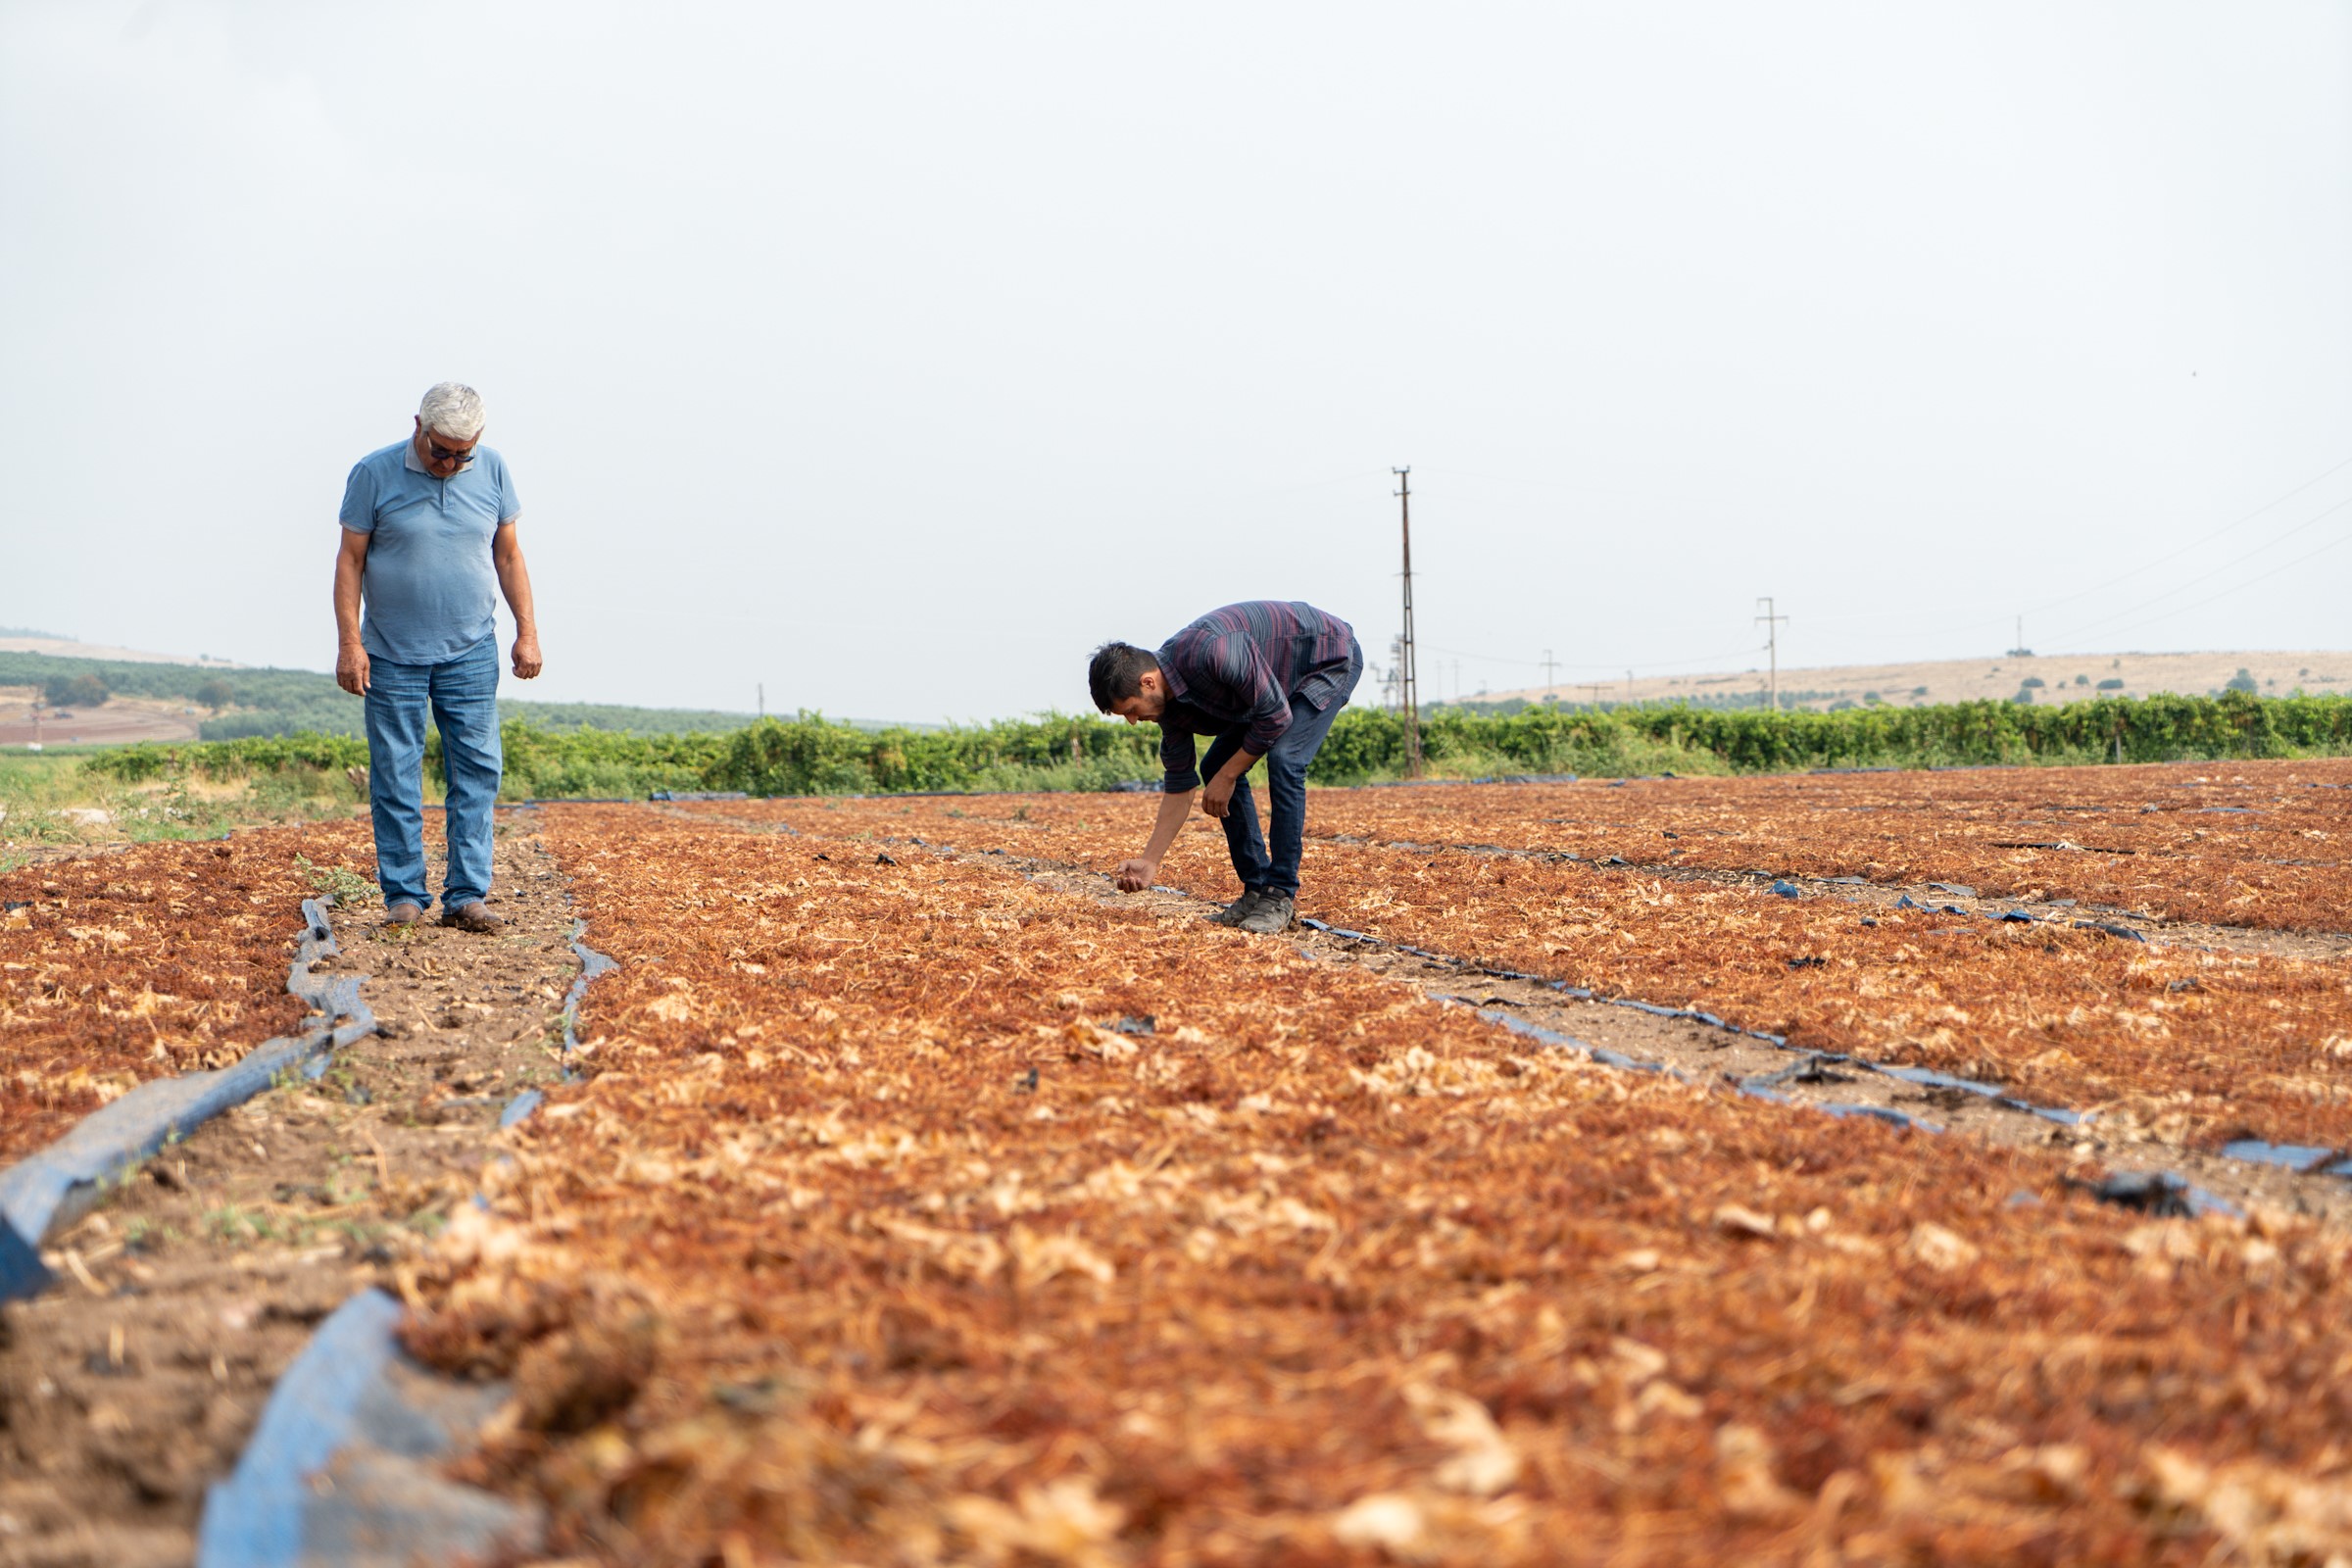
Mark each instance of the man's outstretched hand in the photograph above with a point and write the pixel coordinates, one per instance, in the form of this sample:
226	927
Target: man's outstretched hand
1132	876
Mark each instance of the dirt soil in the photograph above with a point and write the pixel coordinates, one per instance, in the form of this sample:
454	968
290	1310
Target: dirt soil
2319	945
137	1379
118	721
1700	1052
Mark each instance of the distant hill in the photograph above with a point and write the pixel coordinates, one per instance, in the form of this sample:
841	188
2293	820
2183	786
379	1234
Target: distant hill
17	640
2040	678
166	700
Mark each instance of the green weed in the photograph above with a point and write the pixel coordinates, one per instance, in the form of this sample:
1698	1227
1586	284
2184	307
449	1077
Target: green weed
350	889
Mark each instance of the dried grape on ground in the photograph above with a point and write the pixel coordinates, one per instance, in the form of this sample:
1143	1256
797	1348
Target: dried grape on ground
151	960
885	1230
2191	1046
2255	844
2258	844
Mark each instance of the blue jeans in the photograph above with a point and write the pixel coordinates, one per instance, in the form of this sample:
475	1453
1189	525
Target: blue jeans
461	697
1277	872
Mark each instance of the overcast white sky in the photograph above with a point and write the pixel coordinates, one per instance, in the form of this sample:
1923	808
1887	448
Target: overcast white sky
894	355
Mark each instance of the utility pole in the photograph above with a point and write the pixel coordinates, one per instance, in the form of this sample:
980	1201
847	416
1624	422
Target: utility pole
762	688
1628	686
1595	687
1772	643
1408	680
1550	664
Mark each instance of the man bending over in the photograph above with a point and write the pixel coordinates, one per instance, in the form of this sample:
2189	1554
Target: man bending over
1264	680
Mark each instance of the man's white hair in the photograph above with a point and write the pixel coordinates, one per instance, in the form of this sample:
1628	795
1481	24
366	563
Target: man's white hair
454	410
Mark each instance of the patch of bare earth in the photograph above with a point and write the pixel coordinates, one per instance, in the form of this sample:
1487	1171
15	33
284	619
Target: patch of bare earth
2117	1138
136	1381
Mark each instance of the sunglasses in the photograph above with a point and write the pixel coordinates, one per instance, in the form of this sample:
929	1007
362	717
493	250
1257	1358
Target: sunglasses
442	453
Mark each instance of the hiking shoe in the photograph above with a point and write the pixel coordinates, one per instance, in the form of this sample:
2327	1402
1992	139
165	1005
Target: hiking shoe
1271	914
408	912
1233	913
476	918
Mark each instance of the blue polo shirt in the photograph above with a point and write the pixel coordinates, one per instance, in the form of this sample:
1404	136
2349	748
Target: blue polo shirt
428	590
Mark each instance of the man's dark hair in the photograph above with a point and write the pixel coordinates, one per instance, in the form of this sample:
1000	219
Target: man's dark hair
1116	672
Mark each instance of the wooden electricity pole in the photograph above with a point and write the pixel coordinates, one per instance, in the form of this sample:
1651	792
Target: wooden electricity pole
1410	679
1772	644
1550	664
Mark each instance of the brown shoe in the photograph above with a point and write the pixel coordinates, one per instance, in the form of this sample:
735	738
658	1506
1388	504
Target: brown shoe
475	916
404	912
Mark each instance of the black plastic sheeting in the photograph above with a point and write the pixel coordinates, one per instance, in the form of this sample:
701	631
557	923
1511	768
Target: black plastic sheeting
592	964
1817	1067
1578	993
1552	1036
2019	916
55	1185
2158	1191
22	1271
2301	1158
344	1466
1783	887
1492	778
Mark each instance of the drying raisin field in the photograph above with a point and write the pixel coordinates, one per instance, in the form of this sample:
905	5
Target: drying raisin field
1851	1168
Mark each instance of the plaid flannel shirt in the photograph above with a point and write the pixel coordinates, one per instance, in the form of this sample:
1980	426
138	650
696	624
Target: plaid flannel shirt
1241	668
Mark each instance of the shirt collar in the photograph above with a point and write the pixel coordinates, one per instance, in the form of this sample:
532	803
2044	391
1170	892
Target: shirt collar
409	461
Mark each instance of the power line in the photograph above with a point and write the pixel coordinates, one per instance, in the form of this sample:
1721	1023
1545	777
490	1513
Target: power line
2199	544
1538	663
2206	579
2243	586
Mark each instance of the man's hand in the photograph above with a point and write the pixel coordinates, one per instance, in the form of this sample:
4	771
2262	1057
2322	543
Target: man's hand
1216	795
527	656
351	668
1132	876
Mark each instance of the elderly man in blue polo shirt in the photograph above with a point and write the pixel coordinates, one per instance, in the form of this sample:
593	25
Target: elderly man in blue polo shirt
428	544
1264	678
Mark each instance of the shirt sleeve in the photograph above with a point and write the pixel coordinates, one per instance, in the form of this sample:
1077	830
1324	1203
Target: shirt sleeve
359	500
510	504
1180	757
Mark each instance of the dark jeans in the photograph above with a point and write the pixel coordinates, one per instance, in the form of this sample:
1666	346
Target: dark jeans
463	698
1277	872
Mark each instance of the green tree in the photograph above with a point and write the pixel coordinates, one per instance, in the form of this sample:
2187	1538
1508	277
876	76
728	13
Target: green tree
214	694
76	691
2242	682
